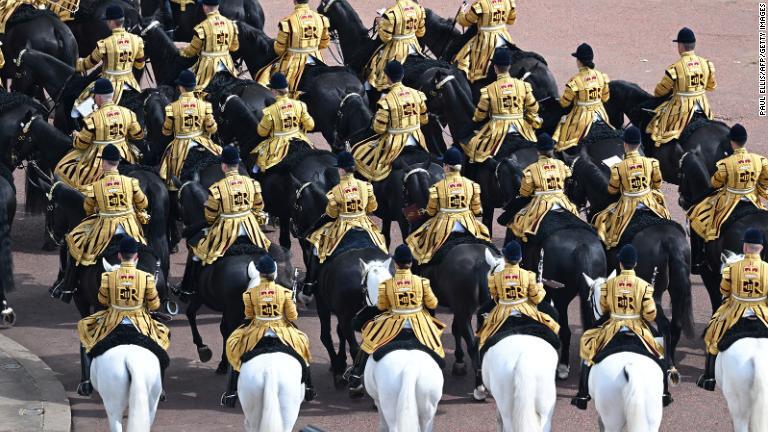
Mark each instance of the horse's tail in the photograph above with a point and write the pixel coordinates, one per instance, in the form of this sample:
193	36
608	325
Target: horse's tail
407	419
35	200
139	415
680	286
634	399
481	275
589	265
271	418
758	418
524	416
6	256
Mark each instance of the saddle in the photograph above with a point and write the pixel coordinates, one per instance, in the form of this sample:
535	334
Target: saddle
128	335
641	220
298	150
522	325
456	239
629	342
197	160
26	12
354	239
698	121
598	132
269	345
243	246
406	340
555	221
746	327
742	210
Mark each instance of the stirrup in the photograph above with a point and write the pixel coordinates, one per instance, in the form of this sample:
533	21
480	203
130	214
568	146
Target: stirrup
580	402
707	383
666	399
309	394
228	399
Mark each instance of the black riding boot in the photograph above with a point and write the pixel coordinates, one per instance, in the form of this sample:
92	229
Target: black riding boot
85	388
188	287
707	381
697	253
666	397
65	288
356	375
310	279
582	397
229	398
309	390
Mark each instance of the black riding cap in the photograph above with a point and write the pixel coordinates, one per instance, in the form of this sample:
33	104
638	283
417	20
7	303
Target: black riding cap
128	246
266	265
110	153
584	53
403	255
230	155
628	256
685	35
632	135
278	81
738	134
513	252
103	86
753	236
187	79
345	160
114	12
544	142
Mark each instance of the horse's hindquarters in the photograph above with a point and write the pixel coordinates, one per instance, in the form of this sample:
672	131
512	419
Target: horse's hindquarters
743	376
270	392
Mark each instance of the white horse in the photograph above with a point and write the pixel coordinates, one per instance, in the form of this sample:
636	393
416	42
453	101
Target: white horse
128	376
742	374
406	385
269	387
626	387
519	372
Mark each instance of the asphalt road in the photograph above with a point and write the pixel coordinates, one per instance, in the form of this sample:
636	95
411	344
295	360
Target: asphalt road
631	41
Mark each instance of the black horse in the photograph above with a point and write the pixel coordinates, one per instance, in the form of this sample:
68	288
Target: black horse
7	212
248	11
708	137
220	285
694	188
37	29
89	25
662	244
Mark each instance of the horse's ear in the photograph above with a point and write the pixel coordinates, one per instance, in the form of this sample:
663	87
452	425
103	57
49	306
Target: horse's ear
490	259
589	280
109	267
196	176
252	272
363	265
612	275
388	263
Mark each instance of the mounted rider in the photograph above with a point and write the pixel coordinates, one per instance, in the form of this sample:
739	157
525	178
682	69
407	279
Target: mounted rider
110	124
686	83
402	300
213	41
627	302
300	37
512	109
638	180
349	205
113	205
744	287
491	17
400	113
453	204
129	295
544	181
585	93
270	312
399	28
741	177
190	120
516	292
119	54
284	121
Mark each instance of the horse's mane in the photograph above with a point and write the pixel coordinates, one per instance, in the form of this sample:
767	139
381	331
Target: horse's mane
197	161
26	13
11	100
312	73
132	100
598	132
697	122
689	163
441	24
127	169
415	66
518	54
249	36
67	196
114	246
224	83
88	8
636	90
585	168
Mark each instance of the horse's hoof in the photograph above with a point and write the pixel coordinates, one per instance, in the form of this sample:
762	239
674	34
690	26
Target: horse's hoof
479	394
459	369
204	353
563	371
162	396
357	392
9	317
674	376
85	388
171	307
228	400
174	249
305	298
339	382
222	369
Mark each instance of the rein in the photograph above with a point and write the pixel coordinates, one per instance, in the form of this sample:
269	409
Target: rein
340	117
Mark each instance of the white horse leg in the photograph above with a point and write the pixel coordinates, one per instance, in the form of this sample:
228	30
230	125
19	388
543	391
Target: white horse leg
429	390
108	369
741	373
250	386
291	393
145	387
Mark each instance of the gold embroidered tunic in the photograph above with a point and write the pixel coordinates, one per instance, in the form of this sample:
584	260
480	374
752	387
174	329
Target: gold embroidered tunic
585	93
491	18
213	41
285	120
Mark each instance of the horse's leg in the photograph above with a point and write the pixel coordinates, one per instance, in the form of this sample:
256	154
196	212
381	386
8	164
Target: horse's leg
348	333
225	331
203	352
405	226
386	227
285	232
712	283
563	369
112	382
469	338
459	367
85	388
488	210
337	368
342	351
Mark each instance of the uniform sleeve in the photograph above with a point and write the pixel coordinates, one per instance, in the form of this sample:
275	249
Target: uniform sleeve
332	208
526	184
84	137
138	59
265	124
762	179
614	183
475	204
283	35
87	63
168	122
248	305
667	83
383	303
711	81
725	282
234	45
151	299
483	105
531	106
421	28
512	13
432	202
656	178
373	204
606	92
649	305
258	199
493	288
604	299
386	26
209	122
381	120
135	132
140	201
307	122
430	301
721	175
568	94
466	19
2	59
325	37
103	296
423	113
536	290
289	307
212	204
195	46
89	204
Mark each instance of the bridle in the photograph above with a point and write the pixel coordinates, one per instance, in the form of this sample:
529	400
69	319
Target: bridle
298	208
340	117
364	281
